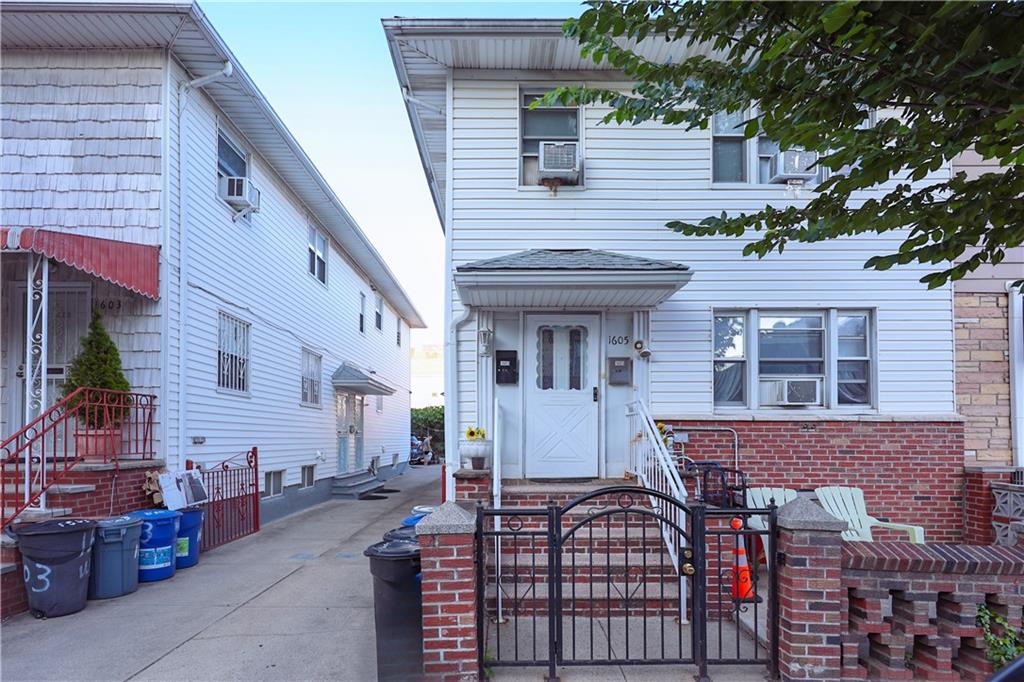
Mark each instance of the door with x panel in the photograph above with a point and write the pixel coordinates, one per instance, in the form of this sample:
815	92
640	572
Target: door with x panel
561	386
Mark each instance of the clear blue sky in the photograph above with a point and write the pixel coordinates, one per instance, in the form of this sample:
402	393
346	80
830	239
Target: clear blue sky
326	70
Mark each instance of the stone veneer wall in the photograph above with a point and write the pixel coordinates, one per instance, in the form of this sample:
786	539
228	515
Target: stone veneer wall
983	374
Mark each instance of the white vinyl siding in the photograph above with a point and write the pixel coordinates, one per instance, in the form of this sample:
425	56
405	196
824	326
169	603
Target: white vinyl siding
312	371
258	272
233	352
638	179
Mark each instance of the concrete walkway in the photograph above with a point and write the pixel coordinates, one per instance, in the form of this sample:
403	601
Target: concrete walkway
294	602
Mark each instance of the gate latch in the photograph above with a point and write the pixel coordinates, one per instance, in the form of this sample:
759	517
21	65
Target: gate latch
595	394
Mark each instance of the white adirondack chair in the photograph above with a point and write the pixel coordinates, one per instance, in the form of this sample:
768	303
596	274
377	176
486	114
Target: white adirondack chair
848	504
760	498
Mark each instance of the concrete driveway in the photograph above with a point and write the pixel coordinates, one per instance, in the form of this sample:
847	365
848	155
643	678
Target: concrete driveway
293	602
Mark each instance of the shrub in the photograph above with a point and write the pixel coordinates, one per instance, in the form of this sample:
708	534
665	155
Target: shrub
98	365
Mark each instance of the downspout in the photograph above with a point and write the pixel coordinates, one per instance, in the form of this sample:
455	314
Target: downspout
1015	320
451	399
184	88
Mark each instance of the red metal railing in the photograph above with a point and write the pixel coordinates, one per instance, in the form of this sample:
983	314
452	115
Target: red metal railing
233	510
90	423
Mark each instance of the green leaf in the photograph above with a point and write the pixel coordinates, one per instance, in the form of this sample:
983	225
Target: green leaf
837	15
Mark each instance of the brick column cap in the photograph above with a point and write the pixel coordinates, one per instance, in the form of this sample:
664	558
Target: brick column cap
802	514
449	519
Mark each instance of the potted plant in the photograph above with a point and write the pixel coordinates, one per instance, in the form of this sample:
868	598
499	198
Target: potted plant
476	449
97	366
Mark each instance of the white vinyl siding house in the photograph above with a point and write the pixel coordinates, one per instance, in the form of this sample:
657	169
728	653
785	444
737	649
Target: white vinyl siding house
897	365
107	136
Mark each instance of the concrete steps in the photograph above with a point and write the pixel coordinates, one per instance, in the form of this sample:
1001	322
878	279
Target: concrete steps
355	485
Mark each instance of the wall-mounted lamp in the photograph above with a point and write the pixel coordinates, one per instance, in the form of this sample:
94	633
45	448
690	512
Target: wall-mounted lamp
485	342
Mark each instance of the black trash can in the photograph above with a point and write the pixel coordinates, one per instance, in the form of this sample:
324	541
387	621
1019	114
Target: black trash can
56	556
402	533
398	609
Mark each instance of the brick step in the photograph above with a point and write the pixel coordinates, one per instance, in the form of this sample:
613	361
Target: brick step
8	567
601	591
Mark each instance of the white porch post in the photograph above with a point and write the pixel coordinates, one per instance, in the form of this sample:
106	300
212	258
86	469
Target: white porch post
36	337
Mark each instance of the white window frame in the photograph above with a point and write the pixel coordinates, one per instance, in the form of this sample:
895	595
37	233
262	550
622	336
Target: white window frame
313	238
378	313
242	151
268	483
311	374
538	89
223	385
311	468
398	330
380	404
830	384
362	312
751	162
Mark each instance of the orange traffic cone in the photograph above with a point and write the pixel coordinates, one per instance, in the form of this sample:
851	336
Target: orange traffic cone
742	585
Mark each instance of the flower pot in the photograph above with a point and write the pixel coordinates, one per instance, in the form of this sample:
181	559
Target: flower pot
98	442
478	452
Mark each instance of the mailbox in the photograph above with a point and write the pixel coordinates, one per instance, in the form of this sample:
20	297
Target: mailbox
506	367
620	371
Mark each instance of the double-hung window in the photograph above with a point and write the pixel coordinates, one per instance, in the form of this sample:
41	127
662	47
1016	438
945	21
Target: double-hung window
362	312
398	331
231	160
554	124
380	404
317	254
233	336
308	476
312	366
378	315
735	159
798	358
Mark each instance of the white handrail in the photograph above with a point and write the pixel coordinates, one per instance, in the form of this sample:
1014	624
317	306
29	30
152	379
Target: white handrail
656	469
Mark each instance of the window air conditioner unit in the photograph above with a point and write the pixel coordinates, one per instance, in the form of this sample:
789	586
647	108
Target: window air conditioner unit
560	161
239	193
793	164
791	392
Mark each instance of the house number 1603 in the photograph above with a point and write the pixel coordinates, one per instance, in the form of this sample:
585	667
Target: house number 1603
618	340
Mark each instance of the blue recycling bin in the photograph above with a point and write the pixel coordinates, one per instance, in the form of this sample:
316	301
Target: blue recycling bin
190	534
115	557
157	543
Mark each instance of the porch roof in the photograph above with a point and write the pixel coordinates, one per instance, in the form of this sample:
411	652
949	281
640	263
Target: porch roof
352	379
569	278
135	267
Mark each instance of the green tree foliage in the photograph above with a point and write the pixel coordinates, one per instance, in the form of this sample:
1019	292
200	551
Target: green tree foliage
98	365
953	71
429	420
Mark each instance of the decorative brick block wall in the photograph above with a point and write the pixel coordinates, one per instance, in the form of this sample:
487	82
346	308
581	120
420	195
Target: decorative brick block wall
450	644
911	609
979	503
983	374
911	472
13	599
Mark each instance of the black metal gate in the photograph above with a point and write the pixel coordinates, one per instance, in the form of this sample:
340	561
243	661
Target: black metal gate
626	576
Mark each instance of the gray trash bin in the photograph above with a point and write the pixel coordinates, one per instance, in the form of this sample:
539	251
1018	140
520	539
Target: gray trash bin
55	557
397	609
115	557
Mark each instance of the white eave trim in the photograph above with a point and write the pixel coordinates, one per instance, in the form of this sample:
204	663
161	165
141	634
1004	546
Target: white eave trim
619	289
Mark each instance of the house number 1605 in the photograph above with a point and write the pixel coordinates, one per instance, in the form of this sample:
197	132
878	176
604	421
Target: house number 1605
618	340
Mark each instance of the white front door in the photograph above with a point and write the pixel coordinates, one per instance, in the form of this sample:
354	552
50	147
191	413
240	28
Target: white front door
561	386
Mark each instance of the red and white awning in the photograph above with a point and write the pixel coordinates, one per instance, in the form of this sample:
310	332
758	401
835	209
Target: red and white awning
135	267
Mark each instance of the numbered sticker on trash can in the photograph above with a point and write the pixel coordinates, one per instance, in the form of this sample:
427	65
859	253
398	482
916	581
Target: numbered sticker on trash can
155	557
182	547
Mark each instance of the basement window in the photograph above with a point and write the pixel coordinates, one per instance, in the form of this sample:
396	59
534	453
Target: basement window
273	484
308	476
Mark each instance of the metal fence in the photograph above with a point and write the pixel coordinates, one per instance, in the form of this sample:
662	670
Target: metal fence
233	510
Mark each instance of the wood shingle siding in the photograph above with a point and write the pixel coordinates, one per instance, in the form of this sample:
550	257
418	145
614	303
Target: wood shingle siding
82	147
